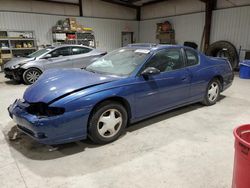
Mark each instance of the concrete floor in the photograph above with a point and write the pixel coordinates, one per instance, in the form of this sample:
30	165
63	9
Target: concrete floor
190	147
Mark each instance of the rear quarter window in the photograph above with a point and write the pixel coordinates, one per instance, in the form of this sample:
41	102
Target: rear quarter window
80	50
192	57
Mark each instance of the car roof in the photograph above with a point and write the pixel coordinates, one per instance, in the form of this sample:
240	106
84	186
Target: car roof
68	45
154	47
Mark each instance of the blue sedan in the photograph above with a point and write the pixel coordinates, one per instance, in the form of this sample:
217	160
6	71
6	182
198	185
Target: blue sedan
124	86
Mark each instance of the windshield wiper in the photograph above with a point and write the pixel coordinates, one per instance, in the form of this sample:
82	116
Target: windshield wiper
89	70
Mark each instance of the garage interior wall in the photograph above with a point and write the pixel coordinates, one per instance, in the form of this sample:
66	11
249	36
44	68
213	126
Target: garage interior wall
90	8
107	23
100	9
187	28
39	7
230	21
232	25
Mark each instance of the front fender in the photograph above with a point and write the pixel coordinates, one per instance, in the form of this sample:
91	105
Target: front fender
80	102
33	64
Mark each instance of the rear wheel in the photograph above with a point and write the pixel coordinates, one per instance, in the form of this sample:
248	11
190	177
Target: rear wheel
31	75
107	122
212	92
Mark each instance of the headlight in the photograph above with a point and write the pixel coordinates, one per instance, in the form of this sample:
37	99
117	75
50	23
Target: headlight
42	109
16	66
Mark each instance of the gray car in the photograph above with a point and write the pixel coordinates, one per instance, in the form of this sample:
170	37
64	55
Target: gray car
29	68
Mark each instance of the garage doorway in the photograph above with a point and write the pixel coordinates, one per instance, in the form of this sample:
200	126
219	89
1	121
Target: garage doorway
127	38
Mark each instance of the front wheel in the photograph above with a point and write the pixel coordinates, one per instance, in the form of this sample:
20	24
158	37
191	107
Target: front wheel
212	92
107	122
31	75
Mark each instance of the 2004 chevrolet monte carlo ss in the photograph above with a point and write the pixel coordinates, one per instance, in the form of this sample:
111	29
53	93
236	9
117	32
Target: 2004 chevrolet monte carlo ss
122	87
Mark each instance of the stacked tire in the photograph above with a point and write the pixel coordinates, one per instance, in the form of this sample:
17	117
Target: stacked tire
224	49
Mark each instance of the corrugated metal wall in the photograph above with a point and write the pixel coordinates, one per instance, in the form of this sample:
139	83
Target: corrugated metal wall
90	8
171	8
232	25
187	28
39	7
102	9
231	3
107	31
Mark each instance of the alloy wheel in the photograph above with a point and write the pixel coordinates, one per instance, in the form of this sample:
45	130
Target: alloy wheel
109	123
32	76
213	91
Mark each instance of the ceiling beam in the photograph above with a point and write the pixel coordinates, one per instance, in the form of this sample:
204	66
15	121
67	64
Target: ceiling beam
153	2
138	14
210	5
80	8
59	2
125	4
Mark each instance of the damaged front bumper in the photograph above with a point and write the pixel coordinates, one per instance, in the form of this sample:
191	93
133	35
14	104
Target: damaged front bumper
67	127
15	74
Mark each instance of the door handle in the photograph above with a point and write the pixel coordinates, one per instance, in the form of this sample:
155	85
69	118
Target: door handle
184	78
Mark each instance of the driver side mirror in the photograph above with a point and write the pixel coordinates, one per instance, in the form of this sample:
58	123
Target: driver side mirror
150	71
47	56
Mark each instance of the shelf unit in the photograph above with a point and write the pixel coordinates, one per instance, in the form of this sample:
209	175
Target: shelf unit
17	43
86	38
165	34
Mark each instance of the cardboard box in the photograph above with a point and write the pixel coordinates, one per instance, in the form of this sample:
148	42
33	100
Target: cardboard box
73	27
6	56
166	36
79	29
72	21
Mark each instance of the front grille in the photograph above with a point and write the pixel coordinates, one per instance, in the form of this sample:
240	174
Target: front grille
7	71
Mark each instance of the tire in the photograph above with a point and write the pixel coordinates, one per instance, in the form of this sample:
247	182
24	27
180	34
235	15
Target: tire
102	129
224	49
212	94
31	75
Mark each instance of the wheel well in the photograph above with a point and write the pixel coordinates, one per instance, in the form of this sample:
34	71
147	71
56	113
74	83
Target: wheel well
33	68
220	78
120	100
24	71
30	68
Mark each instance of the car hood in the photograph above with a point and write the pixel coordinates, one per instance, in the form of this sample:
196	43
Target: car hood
56	83
17	60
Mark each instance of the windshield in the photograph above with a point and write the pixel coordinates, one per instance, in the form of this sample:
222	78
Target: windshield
119	62
38	53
